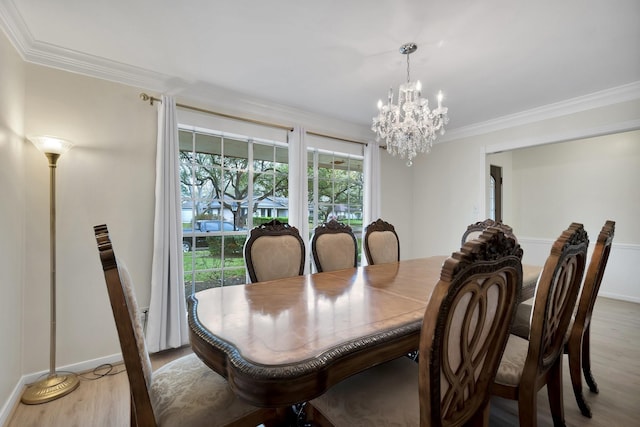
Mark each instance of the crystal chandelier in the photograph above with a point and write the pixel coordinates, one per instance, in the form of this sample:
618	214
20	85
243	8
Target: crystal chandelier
409	127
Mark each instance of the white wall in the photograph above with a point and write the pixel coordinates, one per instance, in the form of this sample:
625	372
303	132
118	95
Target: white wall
396	186
448	195
12	224
587	181
452	181
107	177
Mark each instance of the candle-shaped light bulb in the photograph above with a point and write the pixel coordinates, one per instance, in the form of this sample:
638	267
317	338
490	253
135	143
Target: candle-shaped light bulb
379	104
418	87
440	96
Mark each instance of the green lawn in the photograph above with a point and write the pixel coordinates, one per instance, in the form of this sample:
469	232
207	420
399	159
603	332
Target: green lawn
203	271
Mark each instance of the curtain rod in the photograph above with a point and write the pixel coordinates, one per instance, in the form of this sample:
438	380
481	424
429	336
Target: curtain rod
335	137
152	99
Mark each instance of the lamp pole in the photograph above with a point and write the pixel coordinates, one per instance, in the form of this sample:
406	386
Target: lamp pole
56	384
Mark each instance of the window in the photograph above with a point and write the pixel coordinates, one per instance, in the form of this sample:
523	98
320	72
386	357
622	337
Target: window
229	184
336	187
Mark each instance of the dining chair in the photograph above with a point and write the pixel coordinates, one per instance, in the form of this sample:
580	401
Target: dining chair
530	273
578	346
464	331
381	243
475	229
334	247
274	250
529	365
184	392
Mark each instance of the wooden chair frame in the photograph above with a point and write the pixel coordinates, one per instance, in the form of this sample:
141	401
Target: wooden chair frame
578	346
332	227
378	225
141	408
271	228
492	251
556	296
483	225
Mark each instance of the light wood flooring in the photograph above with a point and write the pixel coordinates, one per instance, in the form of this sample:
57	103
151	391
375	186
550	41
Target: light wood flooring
615	358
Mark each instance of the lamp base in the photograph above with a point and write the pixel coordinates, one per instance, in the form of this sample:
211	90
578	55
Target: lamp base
50	388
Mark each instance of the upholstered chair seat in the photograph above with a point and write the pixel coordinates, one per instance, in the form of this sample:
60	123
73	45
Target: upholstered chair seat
186	392
380	396
513	361
530	276
522	321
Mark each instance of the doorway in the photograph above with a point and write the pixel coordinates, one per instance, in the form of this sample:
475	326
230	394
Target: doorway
495	196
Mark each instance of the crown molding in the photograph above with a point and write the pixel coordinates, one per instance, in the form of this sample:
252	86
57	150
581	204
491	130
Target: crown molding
567	135
49	55
603	98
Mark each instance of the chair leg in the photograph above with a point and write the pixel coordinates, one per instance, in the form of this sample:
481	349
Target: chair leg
315	418
575	370
527	407
133	422
586	361
554	391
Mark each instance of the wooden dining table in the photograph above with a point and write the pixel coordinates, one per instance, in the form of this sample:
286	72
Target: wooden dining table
286	341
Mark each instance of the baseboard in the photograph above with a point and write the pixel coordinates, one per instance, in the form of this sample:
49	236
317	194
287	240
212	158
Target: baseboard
619	297
11	403
620	277
25	380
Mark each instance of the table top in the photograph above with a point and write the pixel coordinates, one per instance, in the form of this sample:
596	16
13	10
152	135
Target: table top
286	341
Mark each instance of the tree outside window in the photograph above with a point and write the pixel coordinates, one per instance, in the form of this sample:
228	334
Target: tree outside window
228	185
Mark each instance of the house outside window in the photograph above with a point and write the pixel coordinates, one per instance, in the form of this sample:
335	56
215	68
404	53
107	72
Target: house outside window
229	184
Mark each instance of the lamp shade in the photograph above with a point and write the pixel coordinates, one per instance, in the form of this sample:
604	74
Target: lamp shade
51	144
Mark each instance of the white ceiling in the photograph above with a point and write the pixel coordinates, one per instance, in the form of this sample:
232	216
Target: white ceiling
491	58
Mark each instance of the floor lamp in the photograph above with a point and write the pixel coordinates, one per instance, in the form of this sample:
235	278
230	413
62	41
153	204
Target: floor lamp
56	384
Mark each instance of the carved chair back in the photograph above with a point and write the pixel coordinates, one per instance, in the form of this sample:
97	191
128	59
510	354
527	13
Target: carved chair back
381	243
529	365
555	299
473	230
593	279
334	247
274	250
578	344
465	329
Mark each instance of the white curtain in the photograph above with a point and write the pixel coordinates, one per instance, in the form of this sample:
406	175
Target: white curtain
298	186
372	185
167	324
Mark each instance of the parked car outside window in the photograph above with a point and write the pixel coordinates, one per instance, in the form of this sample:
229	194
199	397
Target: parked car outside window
204	227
